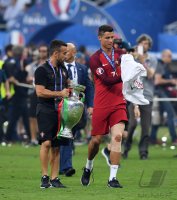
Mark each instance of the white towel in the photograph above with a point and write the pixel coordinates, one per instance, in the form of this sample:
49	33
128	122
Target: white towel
132	73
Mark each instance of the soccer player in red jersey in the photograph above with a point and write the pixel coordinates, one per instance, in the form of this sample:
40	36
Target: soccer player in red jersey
109	113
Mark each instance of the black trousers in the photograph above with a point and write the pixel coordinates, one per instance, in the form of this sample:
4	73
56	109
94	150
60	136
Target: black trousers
145	122
17	109
3	118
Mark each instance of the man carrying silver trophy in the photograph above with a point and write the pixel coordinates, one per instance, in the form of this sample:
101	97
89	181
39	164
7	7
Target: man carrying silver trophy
51	82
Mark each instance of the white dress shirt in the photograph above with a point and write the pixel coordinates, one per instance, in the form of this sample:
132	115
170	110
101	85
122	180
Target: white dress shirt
73	70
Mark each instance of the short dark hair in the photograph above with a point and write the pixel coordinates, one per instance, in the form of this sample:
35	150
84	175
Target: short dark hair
144	37
55	45
104	28
8	48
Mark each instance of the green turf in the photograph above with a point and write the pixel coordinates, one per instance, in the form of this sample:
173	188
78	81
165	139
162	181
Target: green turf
20	176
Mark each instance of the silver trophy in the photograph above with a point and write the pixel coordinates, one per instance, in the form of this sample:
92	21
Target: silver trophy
71	111
64	4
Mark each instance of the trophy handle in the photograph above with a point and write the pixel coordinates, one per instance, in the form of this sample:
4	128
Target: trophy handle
83	96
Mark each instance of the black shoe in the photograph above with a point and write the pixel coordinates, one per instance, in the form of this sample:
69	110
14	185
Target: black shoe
45	182
85	179
143	157
56	183
70	172
106	153
114	183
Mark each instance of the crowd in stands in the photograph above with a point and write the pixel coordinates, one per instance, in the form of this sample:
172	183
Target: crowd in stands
11	9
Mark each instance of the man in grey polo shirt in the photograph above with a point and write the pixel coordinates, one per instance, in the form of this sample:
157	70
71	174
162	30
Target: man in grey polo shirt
144	43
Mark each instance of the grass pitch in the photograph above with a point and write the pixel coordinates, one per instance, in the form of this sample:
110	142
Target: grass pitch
155	178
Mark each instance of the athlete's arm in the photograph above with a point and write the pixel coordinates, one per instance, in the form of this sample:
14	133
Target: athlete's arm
41	91
41	83
99	71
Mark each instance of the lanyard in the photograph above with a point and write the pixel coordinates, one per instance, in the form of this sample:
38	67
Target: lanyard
61	80
111	61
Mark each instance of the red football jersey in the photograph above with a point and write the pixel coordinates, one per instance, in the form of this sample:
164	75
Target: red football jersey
108	83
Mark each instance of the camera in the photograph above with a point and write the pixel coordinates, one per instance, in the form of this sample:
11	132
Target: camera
123	45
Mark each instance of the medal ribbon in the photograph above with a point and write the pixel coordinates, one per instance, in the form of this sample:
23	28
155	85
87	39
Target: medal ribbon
111	61
61	78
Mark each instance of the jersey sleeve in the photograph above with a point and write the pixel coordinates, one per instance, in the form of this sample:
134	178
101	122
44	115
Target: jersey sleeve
100	72
40	77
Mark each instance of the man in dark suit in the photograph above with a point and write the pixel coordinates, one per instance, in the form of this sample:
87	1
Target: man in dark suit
78	74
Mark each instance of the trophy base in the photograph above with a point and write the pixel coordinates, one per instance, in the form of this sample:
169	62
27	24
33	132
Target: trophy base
66	133
64	16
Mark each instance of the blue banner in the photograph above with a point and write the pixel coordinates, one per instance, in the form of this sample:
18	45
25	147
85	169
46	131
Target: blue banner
70	20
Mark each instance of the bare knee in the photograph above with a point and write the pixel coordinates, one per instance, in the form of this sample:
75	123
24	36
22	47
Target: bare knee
117	138
46	144
116	143
96	140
